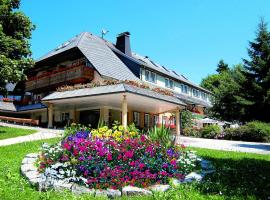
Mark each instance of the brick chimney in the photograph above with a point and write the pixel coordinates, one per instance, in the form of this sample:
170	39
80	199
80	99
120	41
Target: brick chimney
123	43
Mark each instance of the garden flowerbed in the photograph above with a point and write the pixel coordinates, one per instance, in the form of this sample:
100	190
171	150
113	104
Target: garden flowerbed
110	162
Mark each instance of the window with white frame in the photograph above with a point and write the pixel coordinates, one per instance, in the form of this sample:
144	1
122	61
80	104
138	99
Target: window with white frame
155	119
136	118
184	88
64	117
150	76
195	93
146	120
204	96
168	83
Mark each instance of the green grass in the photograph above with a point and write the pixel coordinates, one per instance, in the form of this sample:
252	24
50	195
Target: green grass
238	176
9	132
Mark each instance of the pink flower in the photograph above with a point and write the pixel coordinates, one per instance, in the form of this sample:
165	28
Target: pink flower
109	157
129	154
66	146
141	165
132	163
143	138
173	162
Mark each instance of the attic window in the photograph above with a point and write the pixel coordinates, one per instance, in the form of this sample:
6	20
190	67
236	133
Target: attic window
150	76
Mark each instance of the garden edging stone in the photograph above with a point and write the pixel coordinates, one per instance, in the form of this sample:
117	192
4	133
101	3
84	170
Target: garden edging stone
30	172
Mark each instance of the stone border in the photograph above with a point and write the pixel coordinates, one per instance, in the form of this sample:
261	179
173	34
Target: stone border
30	172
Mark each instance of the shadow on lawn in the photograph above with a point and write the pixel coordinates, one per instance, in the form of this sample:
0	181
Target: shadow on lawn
238	178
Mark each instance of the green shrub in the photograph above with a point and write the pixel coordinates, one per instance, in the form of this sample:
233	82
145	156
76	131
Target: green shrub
162	135
192	132
211	131
253	132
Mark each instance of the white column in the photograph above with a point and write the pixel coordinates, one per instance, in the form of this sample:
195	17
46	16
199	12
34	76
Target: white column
177	119
124	111
104	115
50	115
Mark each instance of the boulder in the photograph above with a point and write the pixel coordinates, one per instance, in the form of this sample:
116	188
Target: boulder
79	189
132	191
159	188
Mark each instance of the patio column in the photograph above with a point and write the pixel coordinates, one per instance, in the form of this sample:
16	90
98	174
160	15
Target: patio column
124	111
104	114
177	119
50	115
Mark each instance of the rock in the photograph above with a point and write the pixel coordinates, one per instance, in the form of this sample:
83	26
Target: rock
79	189
32	155
205	164
176	182
113	193
32	175
131	191
28	167
159	188
34	181
29	160
61	185
193	176
101	193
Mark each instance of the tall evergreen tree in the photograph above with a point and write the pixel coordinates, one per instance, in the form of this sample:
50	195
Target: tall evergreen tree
222	66
258	74
15	32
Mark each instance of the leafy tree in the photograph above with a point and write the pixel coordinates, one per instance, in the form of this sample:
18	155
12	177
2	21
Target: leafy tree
258	74
186	119
229	102
222	66
15	32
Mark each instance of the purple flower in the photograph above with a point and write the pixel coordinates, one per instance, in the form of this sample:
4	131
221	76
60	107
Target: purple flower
170	152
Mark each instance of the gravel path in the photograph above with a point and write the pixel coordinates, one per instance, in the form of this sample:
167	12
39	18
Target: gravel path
42	133
226	145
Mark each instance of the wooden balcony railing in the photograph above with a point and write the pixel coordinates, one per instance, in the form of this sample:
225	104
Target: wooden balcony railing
62	76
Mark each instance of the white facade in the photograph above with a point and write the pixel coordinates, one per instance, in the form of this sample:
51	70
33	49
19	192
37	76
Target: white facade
177	86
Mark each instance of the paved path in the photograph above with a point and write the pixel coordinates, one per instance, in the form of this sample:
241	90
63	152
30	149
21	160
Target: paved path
42	133
227	145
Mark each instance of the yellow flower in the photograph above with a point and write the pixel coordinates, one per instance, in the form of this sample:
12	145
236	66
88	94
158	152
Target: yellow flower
121	128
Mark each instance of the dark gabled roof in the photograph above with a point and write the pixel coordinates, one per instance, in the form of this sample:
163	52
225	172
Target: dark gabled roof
98	54
148	63
111	89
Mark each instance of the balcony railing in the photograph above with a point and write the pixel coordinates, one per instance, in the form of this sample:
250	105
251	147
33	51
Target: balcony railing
62	76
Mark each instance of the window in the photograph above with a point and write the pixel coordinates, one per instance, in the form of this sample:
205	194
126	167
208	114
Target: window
64	117
146	120
169	83
184	88
204	96
155	119
136	118
196	93
150	76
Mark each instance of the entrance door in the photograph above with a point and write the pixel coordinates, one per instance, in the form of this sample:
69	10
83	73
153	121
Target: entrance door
89	117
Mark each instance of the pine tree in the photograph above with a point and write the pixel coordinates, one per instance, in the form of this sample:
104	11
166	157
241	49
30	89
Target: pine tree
15	32
258	74
222	66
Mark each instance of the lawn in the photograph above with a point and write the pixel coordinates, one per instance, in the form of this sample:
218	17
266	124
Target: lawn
238	176
9	132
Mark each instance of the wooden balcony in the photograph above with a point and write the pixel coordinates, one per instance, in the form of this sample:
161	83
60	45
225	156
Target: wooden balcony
59	77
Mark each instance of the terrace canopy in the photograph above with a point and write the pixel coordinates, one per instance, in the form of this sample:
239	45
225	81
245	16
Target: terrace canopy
123	97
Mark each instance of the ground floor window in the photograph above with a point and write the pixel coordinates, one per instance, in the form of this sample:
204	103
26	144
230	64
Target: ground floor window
136	118
64	117
146	120
155	120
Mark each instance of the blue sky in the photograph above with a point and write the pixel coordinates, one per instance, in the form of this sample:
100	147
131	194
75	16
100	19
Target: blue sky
189	36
